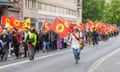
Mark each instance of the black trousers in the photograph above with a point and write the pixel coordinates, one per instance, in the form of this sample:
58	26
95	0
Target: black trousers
16	50
53	45
25	49
95	41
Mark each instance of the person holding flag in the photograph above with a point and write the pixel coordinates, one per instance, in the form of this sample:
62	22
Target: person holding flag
74	40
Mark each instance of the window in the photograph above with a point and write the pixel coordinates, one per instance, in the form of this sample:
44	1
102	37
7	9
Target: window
28	3
50	8
53	8
74	13
45	7
39	5
57	10
75	1
33	4
42	6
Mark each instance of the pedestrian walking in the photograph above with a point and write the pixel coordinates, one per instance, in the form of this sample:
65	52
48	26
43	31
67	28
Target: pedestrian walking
25	34
4	38
31	43
74	39
9	42
46	41
15	45
95	36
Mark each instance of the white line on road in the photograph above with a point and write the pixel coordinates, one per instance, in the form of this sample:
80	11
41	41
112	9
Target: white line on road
101	60
26	61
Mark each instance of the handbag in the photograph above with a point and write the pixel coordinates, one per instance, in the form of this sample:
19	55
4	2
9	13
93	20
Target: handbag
81	41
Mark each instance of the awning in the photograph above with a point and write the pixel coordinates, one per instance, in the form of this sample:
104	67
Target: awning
6	3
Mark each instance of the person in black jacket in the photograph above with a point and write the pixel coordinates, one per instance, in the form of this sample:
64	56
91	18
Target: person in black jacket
53	40
15	44
40	40
46	41
4	38
94	36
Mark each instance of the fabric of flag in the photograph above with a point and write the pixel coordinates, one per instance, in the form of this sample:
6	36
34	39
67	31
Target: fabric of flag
61	19
67	24
78	22
1	29
16	23
5	20
45	25
59	28
89	24
82	25
27	23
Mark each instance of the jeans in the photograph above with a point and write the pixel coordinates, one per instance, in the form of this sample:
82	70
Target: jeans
25	49
46	45
9	49
76	53
31	50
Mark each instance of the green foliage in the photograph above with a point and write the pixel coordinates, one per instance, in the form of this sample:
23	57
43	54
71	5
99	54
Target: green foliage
92	9
112	12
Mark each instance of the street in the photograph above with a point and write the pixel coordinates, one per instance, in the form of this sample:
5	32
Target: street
64	62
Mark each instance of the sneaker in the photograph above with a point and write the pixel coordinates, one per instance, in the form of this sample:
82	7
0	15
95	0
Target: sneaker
78	58
76	61
9	55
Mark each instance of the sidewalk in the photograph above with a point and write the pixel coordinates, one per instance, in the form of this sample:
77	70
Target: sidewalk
111	64
40	54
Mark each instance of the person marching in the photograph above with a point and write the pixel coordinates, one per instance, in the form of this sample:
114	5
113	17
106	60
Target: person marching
31	43
74	39
4	38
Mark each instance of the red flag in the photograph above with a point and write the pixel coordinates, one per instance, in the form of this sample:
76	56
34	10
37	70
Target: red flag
16	23
4	20
61	19
67	25
1	29
59	28
45	25
89	24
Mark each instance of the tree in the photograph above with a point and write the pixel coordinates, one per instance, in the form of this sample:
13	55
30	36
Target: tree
92	9
111	12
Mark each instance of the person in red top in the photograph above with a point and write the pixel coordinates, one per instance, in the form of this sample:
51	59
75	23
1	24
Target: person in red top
19	36
17	40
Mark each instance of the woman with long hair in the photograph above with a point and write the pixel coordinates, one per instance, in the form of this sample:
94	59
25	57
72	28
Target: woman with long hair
74	39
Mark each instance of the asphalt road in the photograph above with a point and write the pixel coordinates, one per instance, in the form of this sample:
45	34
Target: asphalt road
64	62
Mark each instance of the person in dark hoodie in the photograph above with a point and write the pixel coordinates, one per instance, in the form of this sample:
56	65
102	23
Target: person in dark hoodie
4	38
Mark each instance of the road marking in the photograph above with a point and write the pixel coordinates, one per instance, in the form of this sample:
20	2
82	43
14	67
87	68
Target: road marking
94	66
38	58
118	63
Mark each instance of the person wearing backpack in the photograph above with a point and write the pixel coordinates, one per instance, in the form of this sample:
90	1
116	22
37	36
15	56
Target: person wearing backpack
31	43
